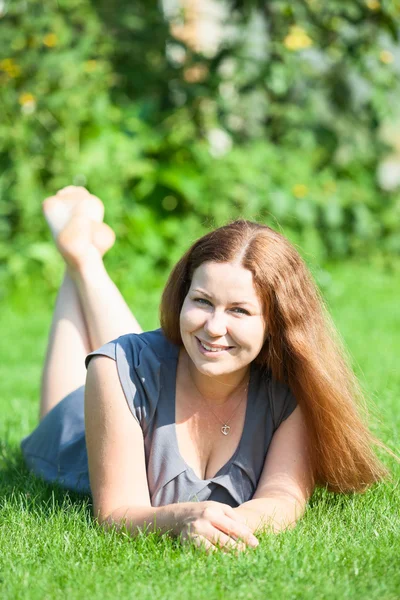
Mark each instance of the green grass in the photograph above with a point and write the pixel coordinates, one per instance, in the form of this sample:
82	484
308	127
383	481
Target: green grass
344	547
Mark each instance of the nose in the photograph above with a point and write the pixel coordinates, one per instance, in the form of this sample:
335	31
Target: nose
215	325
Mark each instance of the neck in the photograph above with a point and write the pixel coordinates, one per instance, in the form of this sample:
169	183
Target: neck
217	390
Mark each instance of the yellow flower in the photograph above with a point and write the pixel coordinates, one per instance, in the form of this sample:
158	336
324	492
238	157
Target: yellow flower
373	4
50	40
90	66
386	57
6	63
297	39
10	67
27	102
26	98
15	72
300	190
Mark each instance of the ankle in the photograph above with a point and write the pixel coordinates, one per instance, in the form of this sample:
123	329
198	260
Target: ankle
87	268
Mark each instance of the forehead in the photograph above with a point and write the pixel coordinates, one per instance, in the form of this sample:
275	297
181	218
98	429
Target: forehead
225	280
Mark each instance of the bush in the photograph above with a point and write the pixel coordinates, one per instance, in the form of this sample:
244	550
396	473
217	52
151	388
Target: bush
176	141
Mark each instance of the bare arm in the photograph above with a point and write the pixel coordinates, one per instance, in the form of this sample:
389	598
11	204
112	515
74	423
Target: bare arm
118	478
270	514
286	482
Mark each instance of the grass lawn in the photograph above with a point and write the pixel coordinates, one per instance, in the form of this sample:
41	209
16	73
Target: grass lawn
344	547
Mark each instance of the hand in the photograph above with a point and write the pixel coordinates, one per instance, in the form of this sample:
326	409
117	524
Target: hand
214	525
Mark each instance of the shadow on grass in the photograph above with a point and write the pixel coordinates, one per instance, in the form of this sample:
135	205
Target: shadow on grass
15	477
19	486
23	492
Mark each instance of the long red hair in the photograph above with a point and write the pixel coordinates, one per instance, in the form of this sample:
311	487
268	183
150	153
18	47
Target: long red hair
302	348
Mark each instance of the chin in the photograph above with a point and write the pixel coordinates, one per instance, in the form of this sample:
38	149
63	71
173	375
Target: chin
214	369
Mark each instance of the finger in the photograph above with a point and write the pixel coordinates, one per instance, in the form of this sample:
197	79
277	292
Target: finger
235	530
226	543
233	514
213	541
202	543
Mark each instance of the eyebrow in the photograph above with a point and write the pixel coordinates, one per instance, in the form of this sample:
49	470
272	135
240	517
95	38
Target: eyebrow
232	303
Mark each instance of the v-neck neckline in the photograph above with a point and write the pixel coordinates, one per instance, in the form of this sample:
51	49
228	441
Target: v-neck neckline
242	438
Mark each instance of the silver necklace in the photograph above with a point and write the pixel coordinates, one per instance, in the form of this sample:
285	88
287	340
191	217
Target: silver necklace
225	429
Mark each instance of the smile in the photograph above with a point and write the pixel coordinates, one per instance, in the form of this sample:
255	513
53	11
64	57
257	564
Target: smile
206	348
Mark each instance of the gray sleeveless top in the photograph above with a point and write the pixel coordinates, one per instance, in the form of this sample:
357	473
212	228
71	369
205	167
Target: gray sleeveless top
147	366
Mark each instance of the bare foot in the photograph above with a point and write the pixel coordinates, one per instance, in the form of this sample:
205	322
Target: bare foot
83	240
75	219
103	237
69	201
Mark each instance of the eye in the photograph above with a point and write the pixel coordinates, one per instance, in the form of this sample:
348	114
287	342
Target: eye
241	311
202	301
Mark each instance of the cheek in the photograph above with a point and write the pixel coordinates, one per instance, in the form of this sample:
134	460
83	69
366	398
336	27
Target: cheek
190	318
252	335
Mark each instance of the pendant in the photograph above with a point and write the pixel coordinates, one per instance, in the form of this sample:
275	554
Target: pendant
225	429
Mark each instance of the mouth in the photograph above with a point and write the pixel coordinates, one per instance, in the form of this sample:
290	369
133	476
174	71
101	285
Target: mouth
215	349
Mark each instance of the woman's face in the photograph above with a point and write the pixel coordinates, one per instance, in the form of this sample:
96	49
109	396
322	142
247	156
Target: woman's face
221	321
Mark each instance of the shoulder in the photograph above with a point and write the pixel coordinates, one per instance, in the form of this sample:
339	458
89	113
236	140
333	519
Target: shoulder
153	341
145	352
140	359
131	346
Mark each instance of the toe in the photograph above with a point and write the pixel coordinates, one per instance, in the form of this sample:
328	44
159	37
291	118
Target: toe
56	214
97	208
81	202
49	203
72	189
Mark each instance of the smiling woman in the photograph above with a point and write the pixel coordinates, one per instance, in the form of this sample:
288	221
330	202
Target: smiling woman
222	327
220	423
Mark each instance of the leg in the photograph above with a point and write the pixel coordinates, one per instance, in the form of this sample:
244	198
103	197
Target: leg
107	316
90	310
64	367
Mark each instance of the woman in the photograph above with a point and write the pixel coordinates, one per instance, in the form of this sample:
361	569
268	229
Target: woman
217	425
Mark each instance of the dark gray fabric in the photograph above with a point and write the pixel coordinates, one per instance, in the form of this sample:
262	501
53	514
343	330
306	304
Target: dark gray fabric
147	365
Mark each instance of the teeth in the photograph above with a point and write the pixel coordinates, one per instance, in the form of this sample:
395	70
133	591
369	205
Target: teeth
209	349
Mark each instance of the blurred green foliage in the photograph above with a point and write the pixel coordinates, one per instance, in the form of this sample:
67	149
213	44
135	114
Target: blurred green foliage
279	124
